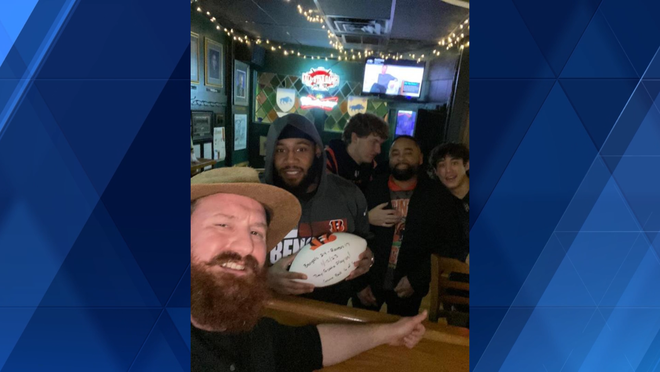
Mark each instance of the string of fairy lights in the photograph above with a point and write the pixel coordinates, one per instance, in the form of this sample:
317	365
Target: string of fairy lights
455	39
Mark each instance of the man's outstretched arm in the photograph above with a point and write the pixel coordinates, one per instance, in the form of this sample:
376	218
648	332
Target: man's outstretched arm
340	342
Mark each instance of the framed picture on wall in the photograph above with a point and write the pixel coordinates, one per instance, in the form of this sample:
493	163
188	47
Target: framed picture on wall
241	83
214	65
240	132
194	58
201	126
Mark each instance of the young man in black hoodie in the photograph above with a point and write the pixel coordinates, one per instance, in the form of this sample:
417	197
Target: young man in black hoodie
295	162
353	156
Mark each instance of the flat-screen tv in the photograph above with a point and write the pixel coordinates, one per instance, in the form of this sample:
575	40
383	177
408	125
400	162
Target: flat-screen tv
393	78
405	123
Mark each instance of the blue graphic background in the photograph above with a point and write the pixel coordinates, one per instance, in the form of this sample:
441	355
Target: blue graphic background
565	213
94	116
94	264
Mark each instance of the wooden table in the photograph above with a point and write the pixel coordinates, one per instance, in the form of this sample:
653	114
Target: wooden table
200	165
443	348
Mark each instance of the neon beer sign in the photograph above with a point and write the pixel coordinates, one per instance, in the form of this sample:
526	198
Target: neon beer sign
320	79
310	102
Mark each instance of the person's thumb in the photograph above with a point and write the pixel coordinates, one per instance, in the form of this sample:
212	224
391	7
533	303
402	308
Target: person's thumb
381	206
420	317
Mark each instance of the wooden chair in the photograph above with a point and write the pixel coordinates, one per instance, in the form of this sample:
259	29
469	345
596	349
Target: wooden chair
441	301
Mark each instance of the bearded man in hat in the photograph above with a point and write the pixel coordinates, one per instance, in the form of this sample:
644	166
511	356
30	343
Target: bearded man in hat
233	221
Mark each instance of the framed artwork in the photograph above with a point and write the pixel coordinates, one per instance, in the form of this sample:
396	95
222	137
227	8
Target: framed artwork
194	58
201	126
240	132
214	65
241	83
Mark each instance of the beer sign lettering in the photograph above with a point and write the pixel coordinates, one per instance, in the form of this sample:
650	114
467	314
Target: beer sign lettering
320	79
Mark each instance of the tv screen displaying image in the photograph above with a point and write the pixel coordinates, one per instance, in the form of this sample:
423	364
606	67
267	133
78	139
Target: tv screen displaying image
405	123
393	78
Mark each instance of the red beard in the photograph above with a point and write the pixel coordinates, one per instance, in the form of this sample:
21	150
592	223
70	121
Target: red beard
226	302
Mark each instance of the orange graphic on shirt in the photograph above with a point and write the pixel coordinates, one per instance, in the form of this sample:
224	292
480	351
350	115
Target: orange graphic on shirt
325	238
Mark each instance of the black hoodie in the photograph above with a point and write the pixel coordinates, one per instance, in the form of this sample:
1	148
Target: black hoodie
341	163
337	205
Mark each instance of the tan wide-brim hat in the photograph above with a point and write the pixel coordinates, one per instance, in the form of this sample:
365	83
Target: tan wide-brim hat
283	208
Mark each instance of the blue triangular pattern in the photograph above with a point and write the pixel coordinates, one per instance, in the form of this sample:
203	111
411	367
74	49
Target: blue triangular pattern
27	47
558	28
597	258
181	318
610	212
112	278
638	179
14	15
585	198
626	127
110	133
181	295
100	339
647	139
499	345
586	337
497	234
566	288
97	59
487	321
625	272
44	226
23	287
598	54
653	87
142	235
41	114
629	20
182	69
550	337
643	289
501	139
164	350
651	361
653	70
598	103
616	340
541	274
5	44
12	323
12	67
519	47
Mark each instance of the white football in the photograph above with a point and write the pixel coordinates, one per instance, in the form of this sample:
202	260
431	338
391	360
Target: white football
328	259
